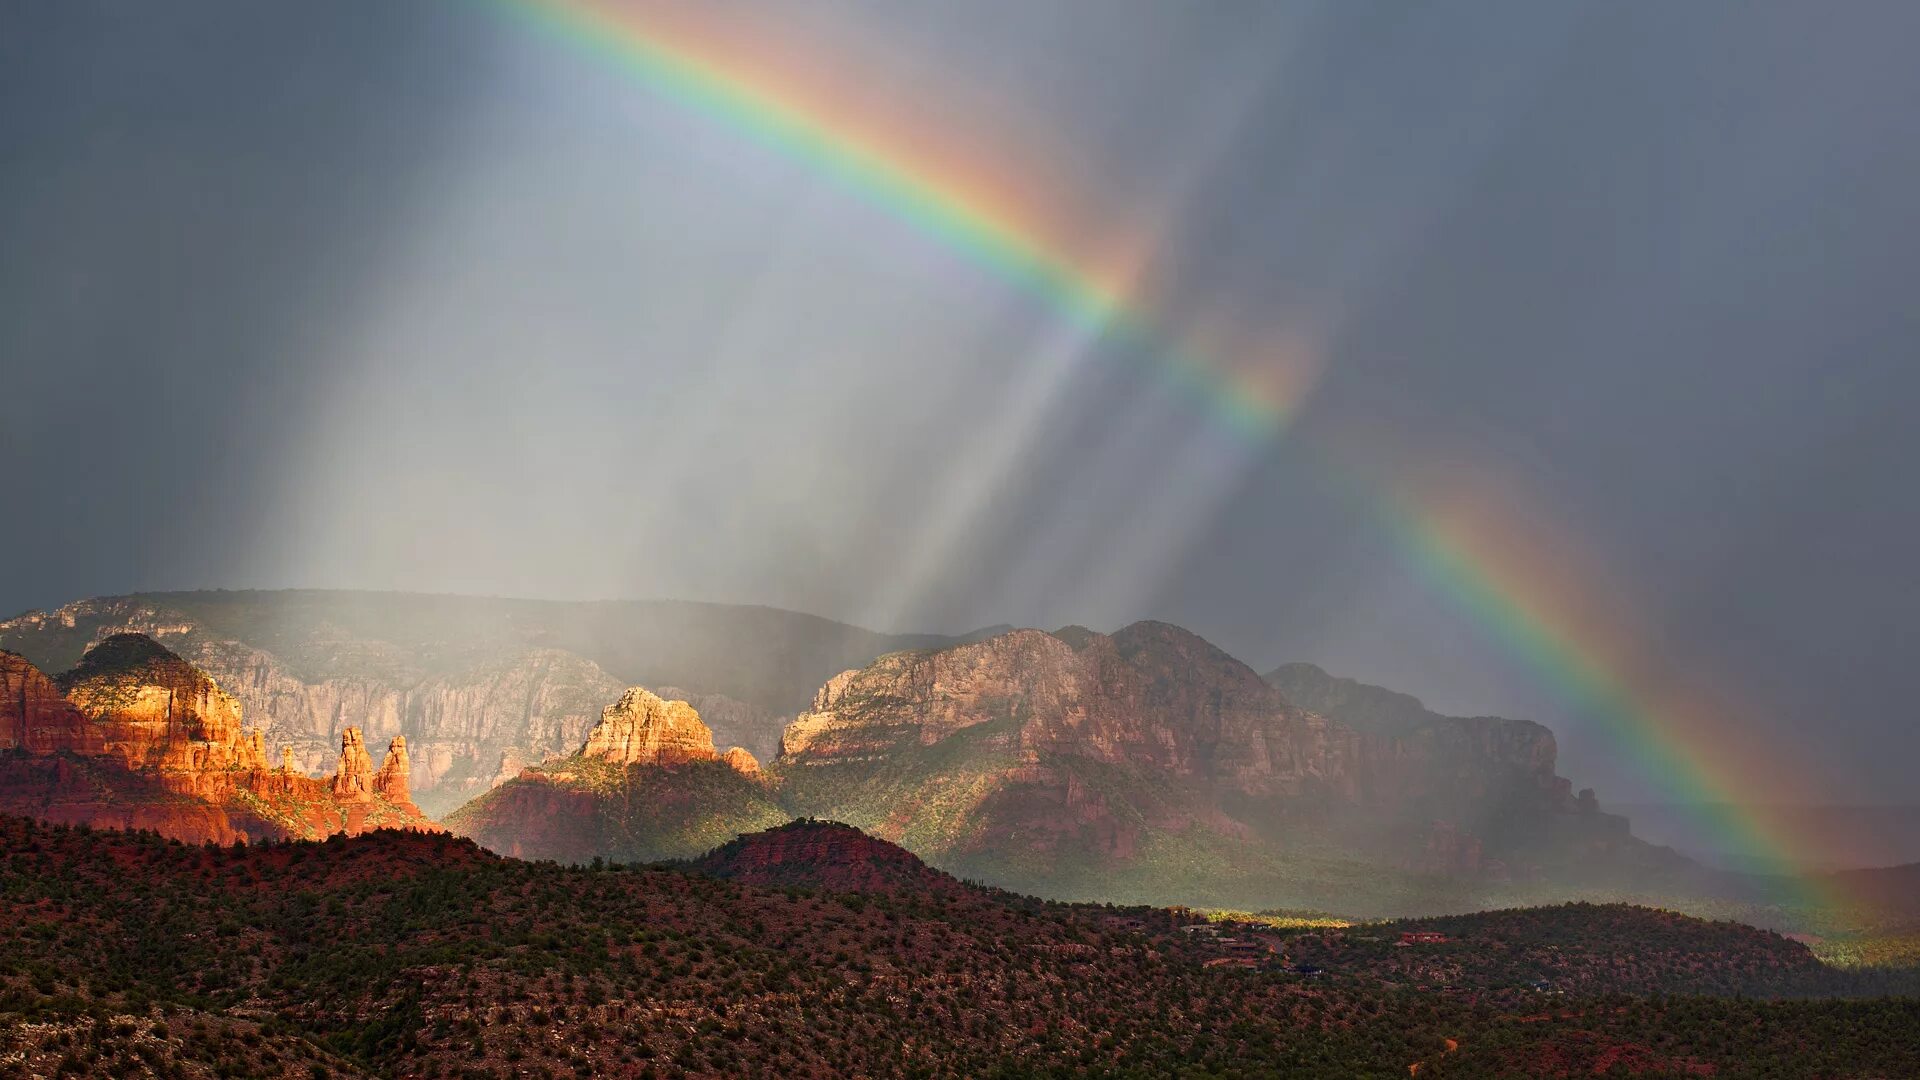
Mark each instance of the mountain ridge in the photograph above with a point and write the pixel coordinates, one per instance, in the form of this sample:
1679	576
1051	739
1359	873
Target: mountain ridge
481	686
1147	764
134	736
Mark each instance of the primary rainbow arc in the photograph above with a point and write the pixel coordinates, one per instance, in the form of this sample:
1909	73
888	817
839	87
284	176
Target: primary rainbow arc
967	221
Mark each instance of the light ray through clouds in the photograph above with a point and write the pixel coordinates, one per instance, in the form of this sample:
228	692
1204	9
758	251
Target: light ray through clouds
1185	484
958	511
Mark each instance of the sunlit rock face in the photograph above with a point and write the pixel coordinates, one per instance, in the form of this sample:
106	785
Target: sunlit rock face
36	717
156	712
742	761
647	784
732	721
391	780
465	730
642	729
135	737
1152	696
482	688
354	778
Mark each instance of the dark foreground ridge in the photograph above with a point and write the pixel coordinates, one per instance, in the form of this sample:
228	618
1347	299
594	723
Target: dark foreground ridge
825	855
405	954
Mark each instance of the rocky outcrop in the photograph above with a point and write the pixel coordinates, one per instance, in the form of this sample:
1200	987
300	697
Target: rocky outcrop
1461	760
67	788
481	687
158	713
465	730
35	716
1374	710
646	785
642	729
1151	697
391	781
135	737
1095	747
742	761
354	778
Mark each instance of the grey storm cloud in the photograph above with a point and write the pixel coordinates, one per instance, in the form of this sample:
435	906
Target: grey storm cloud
412	296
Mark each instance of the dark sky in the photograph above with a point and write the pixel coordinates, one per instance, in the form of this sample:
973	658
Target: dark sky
413	296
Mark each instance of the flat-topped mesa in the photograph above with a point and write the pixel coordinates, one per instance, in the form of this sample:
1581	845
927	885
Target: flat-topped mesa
391	781
1151	696
643	729
353	780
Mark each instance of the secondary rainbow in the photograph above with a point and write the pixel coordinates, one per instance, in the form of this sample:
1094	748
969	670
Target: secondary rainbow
1529	618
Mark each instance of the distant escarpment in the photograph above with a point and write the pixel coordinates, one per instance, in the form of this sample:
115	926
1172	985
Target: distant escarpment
480	687
647	784
1145	765
1150	764
135	737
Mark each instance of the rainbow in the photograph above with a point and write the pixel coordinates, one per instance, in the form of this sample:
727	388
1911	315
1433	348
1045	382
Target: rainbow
1675	742
1685	744
967	218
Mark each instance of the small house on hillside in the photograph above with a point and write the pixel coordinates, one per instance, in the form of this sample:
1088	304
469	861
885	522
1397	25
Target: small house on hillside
1422	937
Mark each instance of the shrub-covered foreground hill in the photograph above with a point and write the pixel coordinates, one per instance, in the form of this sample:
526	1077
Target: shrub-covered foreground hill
421	955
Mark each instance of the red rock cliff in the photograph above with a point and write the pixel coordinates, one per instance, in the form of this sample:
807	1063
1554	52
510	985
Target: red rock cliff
36	717
158	713
353	780
641	729
135	737
391	780
1030	740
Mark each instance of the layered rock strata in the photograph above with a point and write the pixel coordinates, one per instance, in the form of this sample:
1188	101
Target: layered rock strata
135	737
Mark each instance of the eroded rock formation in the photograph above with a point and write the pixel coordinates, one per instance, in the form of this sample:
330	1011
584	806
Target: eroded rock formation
647	784
642	729
354	778
135	737
742	761
36	717
158	713
481	687
391	780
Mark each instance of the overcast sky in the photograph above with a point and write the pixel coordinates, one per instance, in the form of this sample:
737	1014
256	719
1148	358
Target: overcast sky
414	296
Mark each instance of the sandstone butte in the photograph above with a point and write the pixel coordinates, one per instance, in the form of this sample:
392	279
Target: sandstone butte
647	784
643	729
135	737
